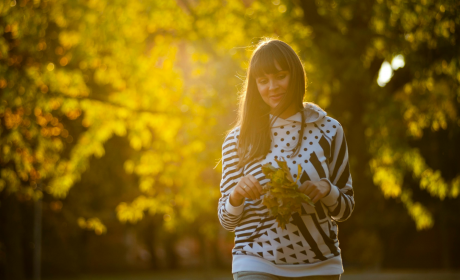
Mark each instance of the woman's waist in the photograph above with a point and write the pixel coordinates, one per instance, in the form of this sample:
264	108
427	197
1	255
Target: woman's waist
287	267
258	217
305	230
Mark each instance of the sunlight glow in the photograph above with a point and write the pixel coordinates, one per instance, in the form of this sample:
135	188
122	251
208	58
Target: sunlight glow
386	70
385	74
397	62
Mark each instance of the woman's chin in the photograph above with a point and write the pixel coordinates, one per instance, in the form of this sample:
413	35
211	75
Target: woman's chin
273	106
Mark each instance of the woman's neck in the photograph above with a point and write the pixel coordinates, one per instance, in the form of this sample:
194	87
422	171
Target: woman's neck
291	111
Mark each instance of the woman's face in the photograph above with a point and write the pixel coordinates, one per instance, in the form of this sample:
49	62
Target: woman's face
272	87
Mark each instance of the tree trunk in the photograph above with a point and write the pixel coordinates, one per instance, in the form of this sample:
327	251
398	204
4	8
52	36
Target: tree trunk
171	256
12	233
148	236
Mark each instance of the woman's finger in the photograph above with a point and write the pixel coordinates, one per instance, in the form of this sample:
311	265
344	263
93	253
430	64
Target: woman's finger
316	198
244	191
309	189
304	186
246	186
313	193
256	184
254	190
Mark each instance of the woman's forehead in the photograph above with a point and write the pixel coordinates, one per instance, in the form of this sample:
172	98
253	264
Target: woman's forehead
262	68
274	73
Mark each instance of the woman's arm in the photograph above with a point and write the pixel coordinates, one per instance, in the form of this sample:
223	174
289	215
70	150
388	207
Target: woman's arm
340	200
229	215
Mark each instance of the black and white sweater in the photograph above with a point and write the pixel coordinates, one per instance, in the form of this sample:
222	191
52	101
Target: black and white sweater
309	244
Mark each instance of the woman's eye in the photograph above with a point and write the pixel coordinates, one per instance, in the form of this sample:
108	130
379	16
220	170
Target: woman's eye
281	77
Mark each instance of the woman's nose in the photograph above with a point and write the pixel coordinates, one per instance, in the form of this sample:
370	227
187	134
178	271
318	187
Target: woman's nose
273	84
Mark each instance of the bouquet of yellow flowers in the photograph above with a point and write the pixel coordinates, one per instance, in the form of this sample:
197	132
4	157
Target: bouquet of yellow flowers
282	196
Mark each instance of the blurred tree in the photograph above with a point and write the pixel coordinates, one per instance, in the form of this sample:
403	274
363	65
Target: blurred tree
161	74
345	46
423	94
391	128
110	67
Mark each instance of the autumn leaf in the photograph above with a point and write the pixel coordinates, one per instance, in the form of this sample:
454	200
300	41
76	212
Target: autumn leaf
282	196
283	165
278	177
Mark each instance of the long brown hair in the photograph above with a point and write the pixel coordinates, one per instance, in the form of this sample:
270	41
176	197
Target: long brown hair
253	118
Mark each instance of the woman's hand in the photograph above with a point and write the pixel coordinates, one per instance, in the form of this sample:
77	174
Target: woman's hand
248	187
315	189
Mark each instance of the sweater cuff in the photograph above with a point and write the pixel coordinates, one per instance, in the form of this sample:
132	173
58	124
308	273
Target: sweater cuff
331	198
232	209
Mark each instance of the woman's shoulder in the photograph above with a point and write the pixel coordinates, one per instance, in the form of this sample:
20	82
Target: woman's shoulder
329	125
329	120
232	135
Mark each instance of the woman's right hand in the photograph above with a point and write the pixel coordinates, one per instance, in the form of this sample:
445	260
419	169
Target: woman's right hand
248	187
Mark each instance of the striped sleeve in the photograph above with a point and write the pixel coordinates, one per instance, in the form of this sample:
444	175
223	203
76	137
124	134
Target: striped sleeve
229	215
340	200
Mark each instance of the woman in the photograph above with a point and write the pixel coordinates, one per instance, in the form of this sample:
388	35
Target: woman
274	123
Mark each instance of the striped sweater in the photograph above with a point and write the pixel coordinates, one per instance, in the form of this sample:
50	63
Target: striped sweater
309	244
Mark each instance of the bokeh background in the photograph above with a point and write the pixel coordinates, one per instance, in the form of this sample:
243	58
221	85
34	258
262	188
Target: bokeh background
113	113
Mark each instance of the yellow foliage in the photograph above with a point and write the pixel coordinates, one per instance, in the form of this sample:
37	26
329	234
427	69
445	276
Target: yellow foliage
389	181
92	224
434	183
129	166
146	185
148	77
135	211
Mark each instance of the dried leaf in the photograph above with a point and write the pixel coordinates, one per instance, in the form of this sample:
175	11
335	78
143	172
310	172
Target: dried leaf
282	196
283	165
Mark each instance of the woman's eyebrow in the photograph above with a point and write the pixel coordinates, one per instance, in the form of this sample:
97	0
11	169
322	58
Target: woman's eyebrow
279	71
275	73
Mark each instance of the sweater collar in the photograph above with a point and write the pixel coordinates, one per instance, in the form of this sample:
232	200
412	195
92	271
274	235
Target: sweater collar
311	111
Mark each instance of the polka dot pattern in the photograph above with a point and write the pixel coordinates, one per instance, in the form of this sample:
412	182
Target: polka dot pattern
313	132
285	246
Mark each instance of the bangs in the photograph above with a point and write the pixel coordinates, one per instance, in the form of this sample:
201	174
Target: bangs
263	61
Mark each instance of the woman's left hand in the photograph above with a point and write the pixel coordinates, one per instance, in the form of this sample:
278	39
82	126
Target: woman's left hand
315	189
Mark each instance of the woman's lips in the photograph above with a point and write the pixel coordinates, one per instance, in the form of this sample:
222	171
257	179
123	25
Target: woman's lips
276	97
